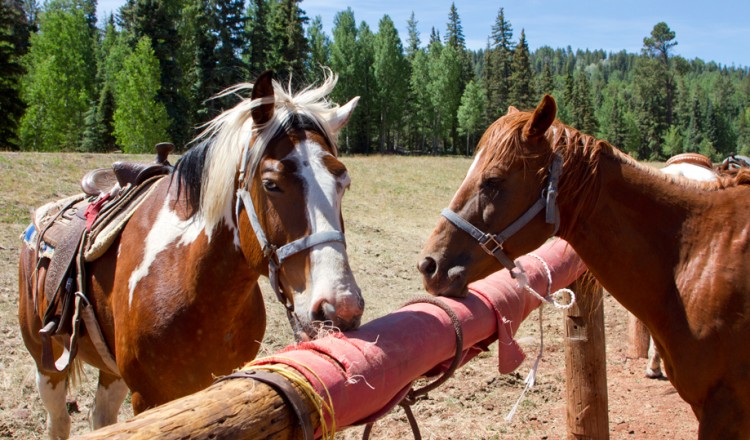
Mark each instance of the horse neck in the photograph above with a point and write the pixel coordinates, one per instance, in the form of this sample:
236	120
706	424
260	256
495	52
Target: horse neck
629	229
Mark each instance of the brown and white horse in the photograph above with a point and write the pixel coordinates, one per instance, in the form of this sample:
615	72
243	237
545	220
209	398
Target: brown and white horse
177	296
672	251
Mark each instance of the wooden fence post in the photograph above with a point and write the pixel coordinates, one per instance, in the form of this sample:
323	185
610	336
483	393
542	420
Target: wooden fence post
585	362
638	338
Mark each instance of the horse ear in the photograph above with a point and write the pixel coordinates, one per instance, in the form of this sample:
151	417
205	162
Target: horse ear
542	119
512	110
340	117
263	88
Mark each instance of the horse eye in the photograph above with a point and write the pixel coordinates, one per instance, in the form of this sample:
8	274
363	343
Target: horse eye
492	183
270	185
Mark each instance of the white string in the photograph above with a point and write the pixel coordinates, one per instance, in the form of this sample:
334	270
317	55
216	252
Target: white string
550	298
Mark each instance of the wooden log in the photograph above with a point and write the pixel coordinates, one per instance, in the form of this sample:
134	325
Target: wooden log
231	409
638	338
365	372
585	362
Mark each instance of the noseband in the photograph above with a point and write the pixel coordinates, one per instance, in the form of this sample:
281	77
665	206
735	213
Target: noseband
493	244
277	254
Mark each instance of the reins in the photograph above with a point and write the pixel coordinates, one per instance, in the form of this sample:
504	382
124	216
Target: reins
493	243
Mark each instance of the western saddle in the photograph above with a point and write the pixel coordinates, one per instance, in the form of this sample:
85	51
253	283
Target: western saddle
77	230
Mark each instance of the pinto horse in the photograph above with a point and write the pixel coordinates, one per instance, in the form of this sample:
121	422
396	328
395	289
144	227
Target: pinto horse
672	251
176	295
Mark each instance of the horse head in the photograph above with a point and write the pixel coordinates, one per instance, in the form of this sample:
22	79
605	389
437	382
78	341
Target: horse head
268	170
290	190
504	208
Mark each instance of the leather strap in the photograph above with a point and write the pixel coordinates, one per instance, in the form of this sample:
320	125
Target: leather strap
493	244
285	390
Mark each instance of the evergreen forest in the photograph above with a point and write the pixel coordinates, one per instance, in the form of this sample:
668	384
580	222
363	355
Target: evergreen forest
147	74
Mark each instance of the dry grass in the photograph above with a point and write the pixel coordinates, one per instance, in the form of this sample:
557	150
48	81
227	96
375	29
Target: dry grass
390	210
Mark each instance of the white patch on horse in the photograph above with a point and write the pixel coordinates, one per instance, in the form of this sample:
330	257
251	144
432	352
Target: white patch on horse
167	229
330	274
468	173
53	398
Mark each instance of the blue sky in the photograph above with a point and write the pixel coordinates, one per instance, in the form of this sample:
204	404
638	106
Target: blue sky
711	30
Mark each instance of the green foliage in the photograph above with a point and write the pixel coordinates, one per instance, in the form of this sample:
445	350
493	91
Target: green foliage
14	36
389	71
59	86
140	120
288	46
521	91
471	112
498	68
320	49
414	97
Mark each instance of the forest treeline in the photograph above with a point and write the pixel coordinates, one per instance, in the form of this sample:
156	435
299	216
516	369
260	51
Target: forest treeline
147	74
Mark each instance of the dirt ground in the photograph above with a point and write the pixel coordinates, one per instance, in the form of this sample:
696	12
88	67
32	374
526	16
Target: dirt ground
391	208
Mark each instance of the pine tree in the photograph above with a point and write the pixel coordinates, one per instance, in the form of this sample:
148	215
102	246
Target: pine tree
320	49
658	46
14	35
498	67
288	45
140	120
158	21
546	81
198	60
423	112
412	40
454	36
258	35
521	78
343	60
583	108
230	31
365	122
59	86
391	81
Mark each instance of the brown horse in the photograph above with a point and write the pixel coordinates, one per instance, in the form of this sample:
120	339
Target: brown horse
176	295
672	251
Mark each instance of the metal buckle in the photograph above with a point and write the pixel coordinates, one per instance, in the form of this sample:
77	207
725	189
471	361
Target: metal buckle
490	239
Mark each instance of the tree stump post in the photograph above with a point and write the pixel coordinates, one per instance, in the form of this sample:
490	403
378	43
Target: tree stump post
638	338
585	362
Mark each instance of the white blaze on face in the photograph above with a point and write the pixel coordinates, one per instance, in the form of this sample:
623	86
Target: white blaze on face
469	173
330	275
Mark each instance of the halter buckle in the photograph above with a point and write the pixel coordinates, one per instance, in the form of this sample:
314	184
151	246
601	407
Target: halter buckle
490	244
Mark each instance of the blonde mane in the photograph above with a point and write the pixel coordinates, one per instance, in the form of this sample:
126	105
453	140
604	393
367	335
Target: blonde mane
220	145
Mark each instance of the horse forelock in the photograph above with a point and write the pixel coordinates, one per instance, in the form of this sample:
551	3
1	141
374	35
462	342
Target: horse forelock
208	171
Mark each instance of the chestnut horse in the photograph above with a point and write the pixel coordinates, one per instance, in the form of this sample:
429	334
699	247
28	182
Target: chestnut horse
177	294
672	251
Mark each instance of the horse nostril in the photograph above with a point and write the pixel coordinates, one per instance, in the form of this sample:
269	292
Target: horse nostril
427	266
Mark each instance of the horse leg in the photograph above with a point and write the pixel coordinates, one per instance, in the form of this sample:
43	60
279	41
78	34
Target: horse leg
653	370
53	387
138	402
110	393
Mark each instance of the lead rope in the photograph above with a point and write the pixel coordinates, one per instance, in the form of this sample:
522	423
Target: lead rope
413	396
550	298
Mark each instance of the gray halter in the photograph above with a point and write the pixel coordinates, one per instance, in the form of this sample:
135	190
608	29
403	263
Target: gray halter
493	244
277	254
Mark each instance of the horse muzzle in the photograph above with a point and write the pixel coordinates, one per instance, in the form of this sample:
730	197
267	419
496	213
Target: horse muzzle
344	313
439	282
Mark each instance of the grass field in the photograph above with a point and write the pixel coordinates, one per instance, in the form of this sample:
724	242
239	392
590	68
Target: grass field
392	206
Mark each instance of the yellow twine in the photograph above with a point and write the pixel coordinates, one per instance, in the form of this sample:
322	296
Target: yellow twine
321	406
